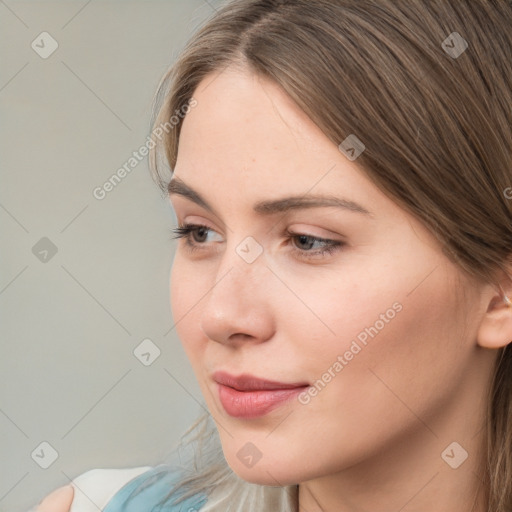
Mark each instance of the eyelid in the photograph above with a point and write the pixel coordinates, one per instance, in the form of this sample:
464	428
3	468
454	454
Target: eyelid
308	230
187	203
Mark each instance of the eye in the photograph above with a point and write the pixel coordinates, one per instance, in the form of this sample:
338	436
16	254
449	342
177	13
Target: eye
328	246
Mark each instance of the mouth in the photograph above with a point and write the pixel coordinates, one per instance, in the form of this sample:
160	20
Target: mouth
247	396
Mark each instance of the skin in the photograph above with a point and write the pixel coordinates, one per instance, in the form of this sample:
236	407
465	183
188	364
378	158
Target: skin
372	439
58	501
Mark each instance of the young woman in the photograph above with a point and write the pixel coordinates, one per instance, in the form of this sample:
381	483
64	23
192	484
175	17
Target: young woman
342	181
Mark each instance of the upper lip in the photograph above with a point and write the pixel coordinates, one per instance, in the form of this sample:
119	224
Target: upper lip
247	382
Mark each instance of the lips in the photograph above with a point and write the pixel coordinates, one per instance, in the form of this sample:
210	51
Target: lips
248	382
247	396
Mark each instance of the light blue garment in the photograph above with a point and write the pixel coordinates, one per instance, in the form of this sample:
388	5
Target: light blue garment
157	483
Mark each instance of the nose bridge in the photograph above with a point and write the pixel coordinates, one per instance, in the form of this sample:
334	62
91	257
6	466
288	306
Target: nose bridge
243	265
235	304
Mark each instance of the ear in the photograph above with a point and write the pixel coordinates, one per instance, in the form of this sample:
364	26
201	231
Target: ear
495	329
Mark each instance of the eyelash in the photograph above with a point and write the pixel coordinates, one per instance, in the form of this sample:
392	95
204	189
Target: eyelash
185	230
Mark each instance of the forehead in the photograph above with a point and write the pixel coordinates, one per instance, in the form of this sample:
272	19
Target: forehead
247	143
237	109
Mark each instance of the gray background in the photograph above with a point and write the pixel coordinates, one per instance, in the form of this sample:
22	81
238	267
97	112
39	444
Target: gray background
70	322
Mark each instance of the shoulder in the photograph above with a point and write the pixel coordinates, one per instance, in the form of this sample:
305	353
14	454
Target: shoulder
96	487
130	490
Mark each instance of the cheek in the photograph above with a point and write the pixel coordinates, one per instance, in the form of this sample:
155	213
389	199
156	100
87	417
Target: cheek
393	352
331	318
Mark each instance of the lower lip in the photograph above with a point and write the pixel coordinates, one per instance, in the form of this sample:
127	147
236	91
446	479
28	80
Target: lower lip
252	404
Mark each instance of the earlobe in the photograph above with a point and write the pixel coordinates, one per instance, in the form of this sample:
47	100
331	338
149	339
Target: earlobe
495	330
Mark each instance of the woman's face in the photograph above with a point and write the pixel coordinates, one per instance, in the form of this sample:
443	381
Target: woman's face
374	327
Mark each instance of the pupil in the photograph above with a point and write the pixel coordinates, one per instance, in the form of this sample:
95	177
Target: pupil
304	238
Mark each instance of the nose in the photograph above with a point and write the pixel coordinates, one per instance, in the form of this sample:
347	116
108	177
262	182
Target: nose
237	309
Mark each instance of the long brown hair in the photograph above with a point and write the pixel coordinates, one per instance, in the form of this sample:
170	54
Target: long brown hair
427	87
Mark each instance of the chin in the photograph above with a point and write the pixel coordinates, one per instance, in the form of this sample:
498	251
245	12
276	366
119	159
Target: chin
263	475
263	472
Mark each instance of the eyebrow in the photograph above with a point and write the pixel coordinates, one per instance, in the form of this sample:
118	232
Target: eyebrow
271	207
